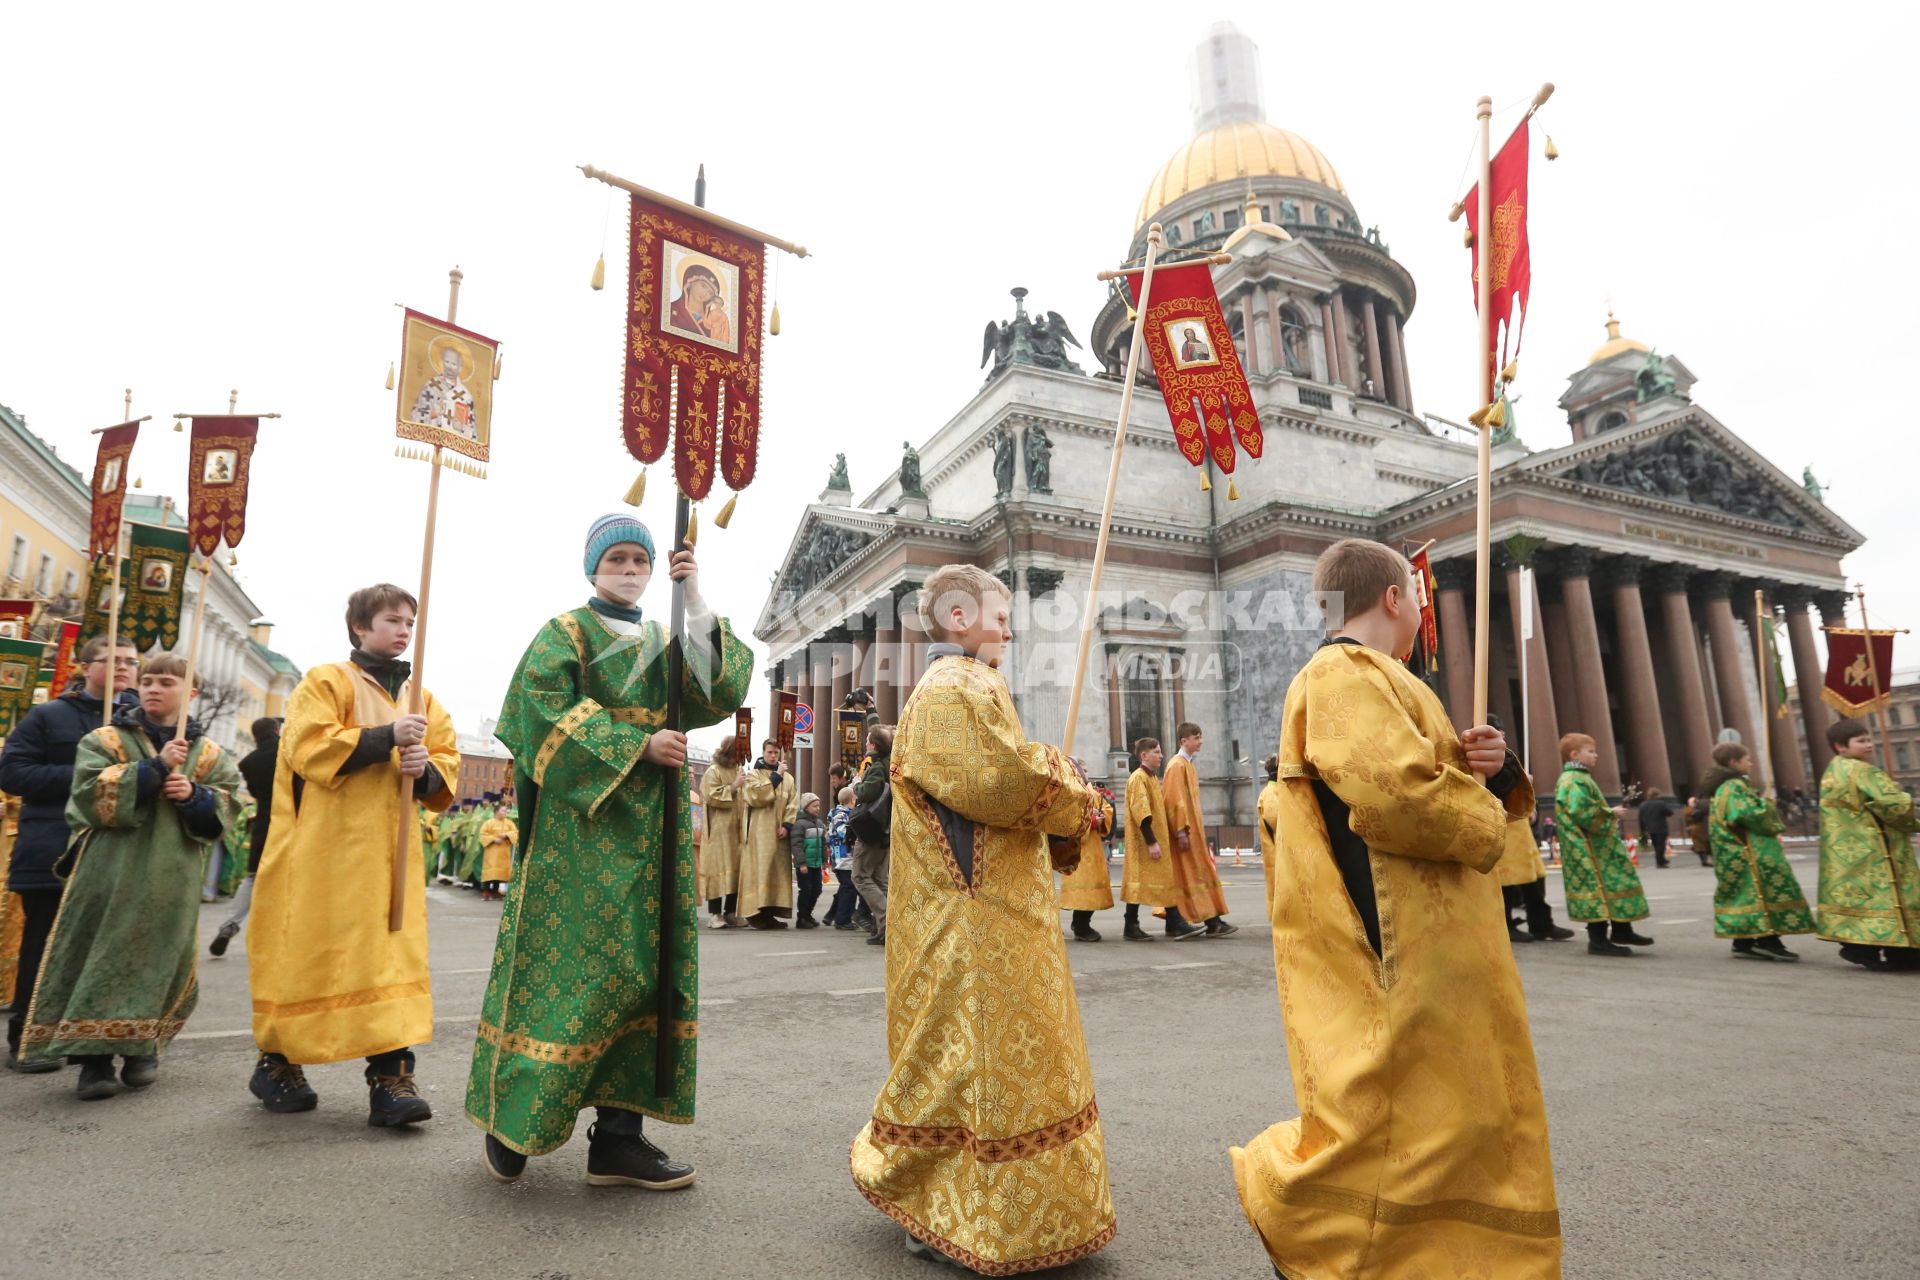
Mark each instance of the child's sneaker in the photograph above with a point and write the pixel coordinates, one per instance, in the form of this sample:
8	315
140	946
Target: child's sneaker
281	1086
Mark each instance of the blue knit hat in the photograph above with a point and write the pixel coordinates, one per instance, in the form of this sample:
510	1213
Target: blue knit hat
610	530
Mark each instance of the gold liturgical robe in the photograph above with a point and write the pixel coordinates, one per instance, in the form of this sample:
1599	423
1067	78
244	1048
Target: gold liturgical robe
985	1141
1147	880
330	982
726	817
1421	1145
1089	887
1520	860
1268	808
1200	896
766	863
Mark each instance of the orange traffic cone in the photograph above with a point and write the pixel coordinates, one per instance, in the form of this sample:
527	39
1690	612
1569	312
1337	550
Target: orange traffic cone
1633	851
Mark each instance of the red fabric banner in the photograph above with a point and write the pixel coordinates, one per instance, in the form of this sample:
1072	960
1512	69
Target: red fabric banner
1851	675
110	486
1194	358
1511	260
63	665
1425	586
222	454
785	703
694	297
743	735
14	615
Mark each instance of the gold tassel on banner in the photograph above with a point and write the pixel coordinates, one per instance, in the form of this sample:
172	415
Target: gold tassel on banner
232	559
693	527
138	483
1553	152
1497	414
599	280
773	322
179	425
389	375
1479	416
1511	372
726	512
1233	490
638	489
1206	485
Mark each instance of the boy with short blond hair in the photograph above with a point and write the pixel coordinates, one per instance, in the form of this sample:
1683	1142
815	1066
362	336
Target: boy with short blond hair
1397	985
330	980
975	957
118	978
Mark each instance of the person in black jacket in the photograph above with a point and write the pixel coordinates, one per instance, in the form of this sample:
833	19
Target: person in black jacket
37	766
257	768
1654	812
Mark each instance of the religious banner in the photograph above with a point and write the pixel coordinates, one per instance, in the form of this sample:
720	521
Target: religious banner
65	646
1509	257
222	453
19	676
694	294
853	725
14	616
786	705
743	734
1856	679
150	588
1426	645
1198	367
109	486
446	385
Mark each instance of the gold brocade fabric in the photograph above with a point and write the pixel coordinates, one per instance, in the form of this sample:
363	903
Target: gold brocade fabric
1421	1146
985	1141
1147	880
497	837
766	864
726	818
1201	896
1269	815
1090	885
1520	860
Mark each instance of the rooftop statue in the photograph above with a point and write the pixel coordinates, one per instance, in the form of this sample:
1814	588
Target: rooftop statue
1041	341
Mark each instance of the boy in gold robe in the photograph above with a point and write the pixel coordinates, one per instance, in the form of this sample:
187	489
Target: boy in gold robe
1087	888
985	1142
766	864
1201	900
330	980
1146	879
726	820
497	837
1421	1145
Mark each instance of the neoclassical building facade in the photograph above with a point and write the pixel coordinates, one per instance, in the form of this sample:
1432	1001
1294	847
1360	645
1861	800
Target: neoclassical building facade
1646	534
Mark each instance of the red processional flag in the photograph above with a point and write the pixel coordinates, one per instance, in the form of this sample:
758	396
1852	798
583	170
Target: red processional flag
743	734
63	664
1509	257
785	704
1856	684
1424	586
1198	367
694	298
14	616
110	486
221	456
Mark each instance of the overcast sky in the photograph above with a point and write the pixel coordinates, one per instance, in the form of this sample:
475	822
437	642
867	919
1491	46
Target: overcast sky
202	197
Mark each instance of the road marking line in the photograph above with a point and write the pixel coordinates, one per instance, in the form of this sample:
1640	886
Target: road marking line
769	955
248	1033
447	973
1191	964
860	991
1683	920
708	1004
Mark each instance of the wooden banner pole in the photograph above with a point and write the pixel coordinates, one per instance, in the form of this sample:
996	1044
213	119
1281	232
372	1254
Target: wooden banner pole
408	824
1483	386
1763	671
1113	486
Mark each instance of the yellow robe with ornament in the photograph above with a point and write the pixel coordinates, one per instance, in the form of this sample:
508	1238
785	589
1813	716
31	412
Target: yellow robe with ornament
1421	1145
497	838
985	1141
1520	860
1147	880
1090	887
1200	896
726	820
12	918
1268	812
766	861
329	981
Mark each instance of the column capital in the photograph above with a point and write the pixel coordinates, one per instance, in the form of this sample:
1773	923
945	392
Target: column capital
1551	592
1715	584
1622	571
1833	607
1668	579
1573	562
1454	575
1793	596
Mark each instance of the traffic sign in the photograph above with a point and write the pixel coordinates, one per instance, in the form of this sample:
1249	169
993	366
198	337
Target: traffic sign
803	726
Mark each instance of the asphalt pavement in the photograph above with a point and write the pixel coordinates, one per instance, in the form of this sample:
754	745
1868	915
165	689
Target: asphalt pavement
1711	1118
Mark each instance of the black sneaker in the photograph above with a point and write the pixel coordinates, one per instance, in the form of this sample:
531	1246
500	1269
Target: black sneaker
97	1079
281	1086
228	932
1183	931
1775	948
847	926
1135	933
1551	933
503	1162
629	1160
1221	929
806	922
878	940
1865	957
1744	949
1086	935
927	1253
1601	947
1628	937
138	1073
1514	933
395	1100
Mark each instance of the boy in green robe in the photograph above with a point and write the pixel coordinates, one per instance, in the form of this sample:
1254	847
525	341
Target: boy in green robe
119	973
570	1018
1603	888
1869	885
1756	896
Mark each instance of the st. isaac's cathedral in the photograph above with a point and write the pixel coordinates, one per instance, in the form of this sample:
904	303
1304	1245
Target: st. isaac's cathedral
1647	534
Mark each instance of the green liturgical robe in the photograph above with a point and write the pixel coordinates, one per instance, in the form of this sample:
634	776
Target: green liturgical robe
119	971
1600	879
570	1016
1869	887
1755	893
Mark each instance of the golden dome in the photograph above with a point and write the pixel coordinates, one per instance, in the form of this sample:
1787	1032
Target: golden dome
1614	344
1236	150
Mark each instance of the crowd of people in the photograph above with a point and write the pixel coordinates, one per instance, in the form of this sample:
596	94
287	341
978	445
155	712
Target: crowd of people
1390	842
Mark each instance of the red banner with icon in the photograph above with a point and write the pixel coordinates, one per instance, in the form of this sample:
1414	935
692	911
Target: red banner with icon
110	486
1199	370
1857	681
222	455
63	657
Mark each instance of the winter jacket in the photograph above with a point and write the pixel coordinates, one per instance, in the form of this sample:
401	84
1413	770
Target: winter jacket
797	839
37	766
256	767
